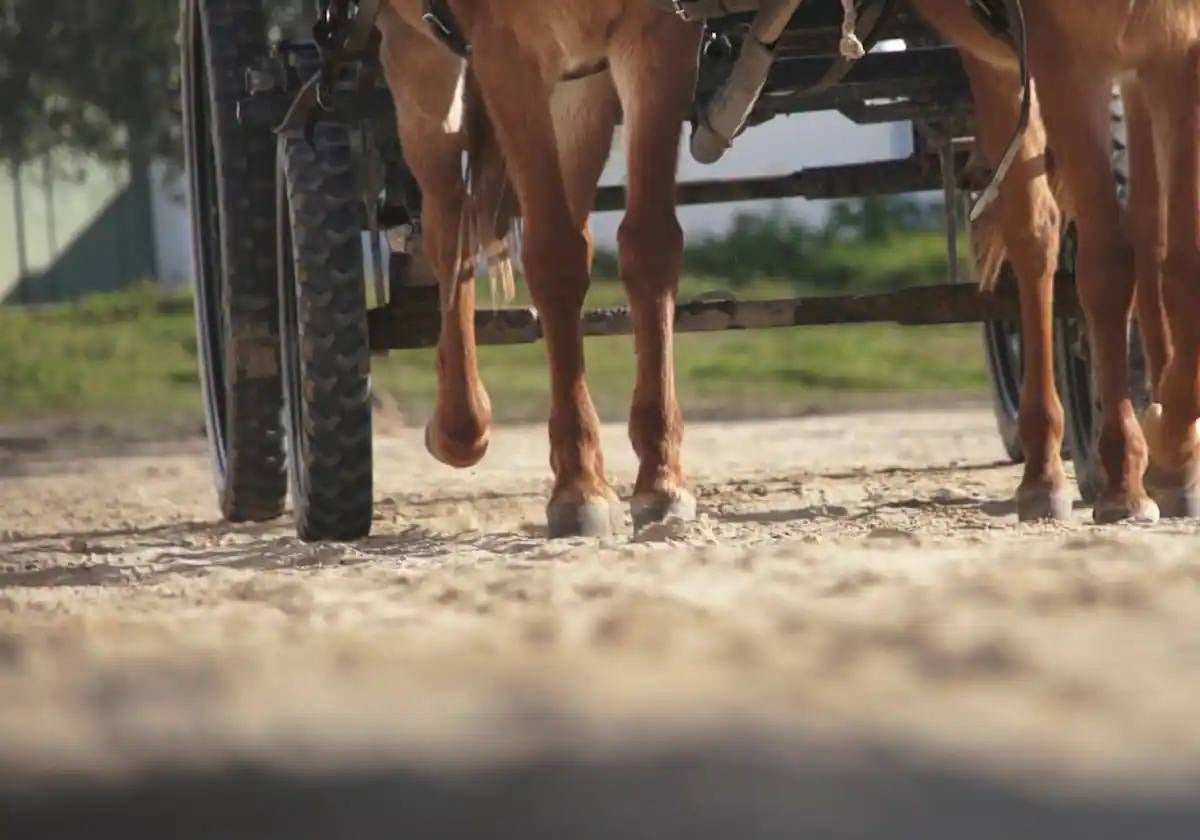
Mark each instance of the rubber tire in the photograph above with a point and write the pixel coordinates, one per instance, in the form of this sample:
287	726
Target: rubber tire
1072	354
1002	349
232	208
325	347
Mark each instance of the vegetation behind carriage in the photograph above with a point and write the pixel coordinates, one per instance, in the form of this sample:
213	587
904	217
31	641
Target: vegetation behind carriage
127	360
130	357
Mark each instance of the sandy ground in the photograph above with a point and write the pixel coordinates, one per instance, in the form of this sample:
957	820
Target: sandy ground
857	639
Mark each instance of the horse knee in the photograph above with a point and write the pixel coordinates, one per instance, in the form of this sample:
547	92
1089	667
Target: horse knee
556	267
651	252
1106	267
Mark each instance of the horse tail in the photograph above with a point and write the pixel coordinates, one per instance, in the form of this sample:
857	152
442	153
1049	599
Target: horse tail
987	240
987	233
489	227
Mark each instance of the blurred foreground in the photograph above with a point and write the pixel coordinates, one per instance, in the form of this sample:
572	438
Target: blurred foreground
857	641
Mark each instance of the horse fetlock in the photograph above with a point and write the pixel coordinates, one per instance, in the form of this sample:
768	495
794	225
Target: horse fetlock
457	445
1046	497
1172	446
1173	477
1125	506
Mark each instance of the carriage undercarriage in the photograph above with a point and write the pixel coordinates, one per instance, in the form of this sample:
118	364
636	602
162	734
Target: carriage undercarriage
311	313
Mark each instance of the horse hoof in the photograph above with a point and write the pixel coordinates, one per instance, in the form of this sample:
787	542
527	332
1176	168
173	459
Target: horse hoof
592	518
1121	507
649	508
452	453
1041	504
1177	492
1181	503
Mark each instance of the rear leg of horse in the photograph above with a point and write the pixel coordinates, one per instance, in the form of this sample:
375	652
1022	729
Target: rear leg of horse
1173	430
556	255
1031	221
1146	215
1075	105
653	70
425	82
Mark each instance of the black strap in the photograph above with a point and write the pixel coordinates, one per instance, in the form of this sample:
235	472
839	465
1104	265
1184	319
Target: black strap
993	15
445	27
872	17
340	37
1014	32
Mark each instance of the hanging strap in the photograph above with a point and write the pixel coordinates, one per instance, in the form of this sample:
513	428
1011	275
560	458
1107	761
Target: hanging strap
445	27
863	29
1012	28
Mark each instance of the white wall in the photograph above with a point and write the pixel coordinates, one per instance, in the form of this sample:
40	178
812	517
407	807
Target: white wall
82	188
779	147
172	226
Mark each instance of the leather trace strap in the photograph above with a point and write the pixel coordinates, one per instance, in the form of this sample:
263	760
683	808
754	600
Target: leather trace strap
1007	18
872	16
445	27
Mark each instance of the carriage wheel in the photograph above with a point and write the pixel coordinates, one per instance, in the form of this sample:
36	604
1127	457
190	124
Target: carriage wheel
232	207
1072	354
323	326
1002	344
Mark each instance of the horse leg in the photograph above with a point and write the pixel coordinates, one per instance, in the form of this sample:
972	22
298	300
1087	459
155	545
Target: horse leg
1031	223
555	253
1146	213
1075	105
1173	431
653	69
585	114
424	79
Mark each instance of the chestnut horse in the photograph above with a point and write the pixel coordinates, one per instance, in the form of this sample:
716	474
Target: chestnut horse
554	137
1077	50
553	79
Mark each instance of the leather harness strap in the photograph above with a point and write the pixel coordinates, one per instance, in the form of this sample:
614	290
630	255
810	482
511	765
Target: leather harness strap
1006	18
444	26
872	17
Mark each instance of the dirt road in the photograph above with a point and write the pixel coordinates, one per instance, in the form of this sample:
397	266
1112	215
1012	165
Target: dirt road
857	639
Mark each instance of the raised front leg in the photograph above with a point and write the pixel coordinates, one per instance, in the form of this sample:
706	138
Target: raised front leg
1076	110
425	82
653	70
1030	223
556	259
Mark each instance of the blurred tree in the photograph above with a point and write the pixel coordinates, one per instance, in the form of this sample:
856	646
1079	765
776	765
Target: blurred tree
27	50
874	218
120	82
93	77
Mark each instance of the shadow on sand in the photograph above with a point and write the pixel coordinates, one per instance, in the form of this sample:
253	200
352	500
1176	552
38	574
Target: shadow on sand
719	791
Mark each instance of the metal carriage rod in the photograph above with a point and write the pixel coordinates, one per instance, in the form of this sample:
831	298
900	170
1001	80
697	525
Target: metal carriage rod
398	328
853	180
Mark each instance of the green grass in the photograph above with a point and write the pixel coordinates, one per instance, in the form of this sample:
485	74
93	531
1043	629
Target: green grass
108	357
130	359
